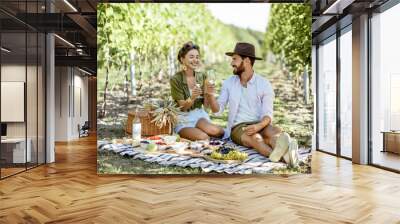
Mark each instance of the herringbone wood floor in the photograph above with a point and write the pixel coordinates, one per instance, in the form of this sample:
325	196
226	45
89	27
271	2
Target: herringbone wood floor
70	191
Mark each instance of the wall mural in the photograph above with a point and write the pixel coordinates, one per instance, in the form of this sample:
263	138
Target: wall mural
187	89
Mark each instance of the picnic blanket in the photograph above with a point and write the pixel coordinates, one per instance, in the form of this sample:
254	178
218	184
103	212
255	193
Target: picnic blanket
254	164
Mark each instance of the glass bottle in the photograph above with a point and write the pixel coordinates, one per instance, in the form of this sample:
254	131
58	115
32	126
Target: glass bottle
136	129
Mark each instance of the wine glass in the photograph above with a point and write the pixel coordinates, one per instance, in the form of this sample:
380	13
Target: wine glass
198	84
211	76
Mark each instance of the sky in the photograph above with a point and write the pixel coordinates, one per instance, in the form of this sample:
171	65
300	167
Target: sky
245	15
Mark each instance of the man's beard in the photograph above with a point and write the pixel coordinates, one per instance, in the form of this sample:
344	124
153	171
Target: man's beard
239	70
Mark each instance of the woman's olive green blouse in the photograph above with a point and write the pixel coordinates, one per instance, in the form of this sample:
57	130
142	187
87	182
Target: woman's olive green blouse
180	89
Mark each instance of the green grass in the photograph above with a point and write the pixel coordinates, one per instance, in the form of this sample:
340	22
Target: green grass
111	163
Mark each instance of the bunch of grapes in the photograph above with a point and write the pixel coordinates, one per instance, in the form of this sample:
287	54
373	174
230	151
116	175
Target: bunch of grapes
229	154
216	155
236	155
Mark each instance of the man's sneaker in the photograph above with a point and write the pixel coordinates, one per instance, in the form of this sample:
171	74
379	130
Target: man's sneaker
281	147
286	157
293	152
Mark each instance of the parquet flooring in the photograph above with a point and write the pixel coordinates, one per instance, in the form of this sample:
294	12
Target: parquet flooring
70	191
10	171
387	159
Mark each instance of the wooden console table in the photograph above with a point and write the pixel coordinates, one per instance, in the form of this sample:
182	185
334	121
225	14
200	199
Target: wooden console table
391	141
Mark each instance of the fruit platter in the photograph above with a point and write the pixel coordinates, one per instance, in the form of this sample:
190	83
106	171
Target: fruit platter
226	154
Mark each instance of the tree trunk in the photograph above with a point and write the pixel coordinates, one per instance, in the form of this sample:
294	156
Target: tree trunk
103	107
305	86
126	89
150	77
171	62
296	85
133	78
160	76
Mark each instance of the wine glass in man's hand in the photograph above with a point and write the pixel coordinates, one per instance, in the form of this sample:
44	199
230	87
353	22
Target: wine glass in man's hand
211	76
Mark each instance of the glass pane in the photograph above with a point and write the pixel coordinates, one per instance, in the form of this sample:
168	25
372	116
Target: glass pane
346	94
327	96
13	85
386	88
31	97
23	82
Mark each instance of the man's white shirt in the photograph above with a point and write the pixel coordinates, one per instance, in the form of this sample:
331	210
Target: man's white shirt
245	112
260	98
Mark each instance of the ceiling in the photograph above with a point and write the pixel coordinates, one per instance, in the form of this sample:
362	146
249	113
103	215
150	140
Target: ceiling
332	15
73	21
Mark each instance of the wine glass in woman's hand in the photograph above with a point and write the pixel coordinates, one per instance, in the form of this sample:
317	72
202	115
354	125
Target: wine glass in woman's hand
199	85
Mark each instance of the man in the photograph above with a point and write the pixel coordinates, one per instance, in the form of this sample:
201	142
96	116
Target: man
250	98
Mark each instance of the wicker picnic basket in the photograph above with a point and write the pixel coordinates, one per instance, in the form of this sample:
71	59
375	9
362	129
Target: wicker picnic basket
148	128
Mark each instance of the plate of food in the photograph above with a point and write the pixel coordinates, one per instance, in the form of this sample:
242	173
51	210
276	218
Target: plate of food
225	154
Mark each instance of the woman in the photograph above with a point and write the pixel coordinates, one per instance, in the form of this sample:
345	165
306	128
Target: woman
186	90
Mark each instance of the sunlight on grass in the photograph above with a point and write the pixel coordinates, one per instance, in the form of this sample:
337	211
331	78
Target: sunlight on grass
111	163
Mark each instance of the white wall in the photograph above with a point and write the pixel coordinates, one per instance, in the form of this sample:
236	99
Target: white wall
81	89
70	83
62	82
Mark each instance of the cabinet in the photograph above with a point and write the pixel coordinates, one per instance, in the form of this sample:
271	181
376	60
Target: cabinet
13	150
391	141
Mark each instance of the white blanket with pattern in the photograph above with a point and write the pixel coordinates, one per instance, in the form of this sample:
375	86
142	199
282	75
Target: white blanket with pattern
254	164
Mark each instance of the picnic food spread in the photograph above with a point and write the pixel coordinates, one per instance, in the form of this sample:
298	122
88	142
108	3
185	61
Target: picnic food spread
214	149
